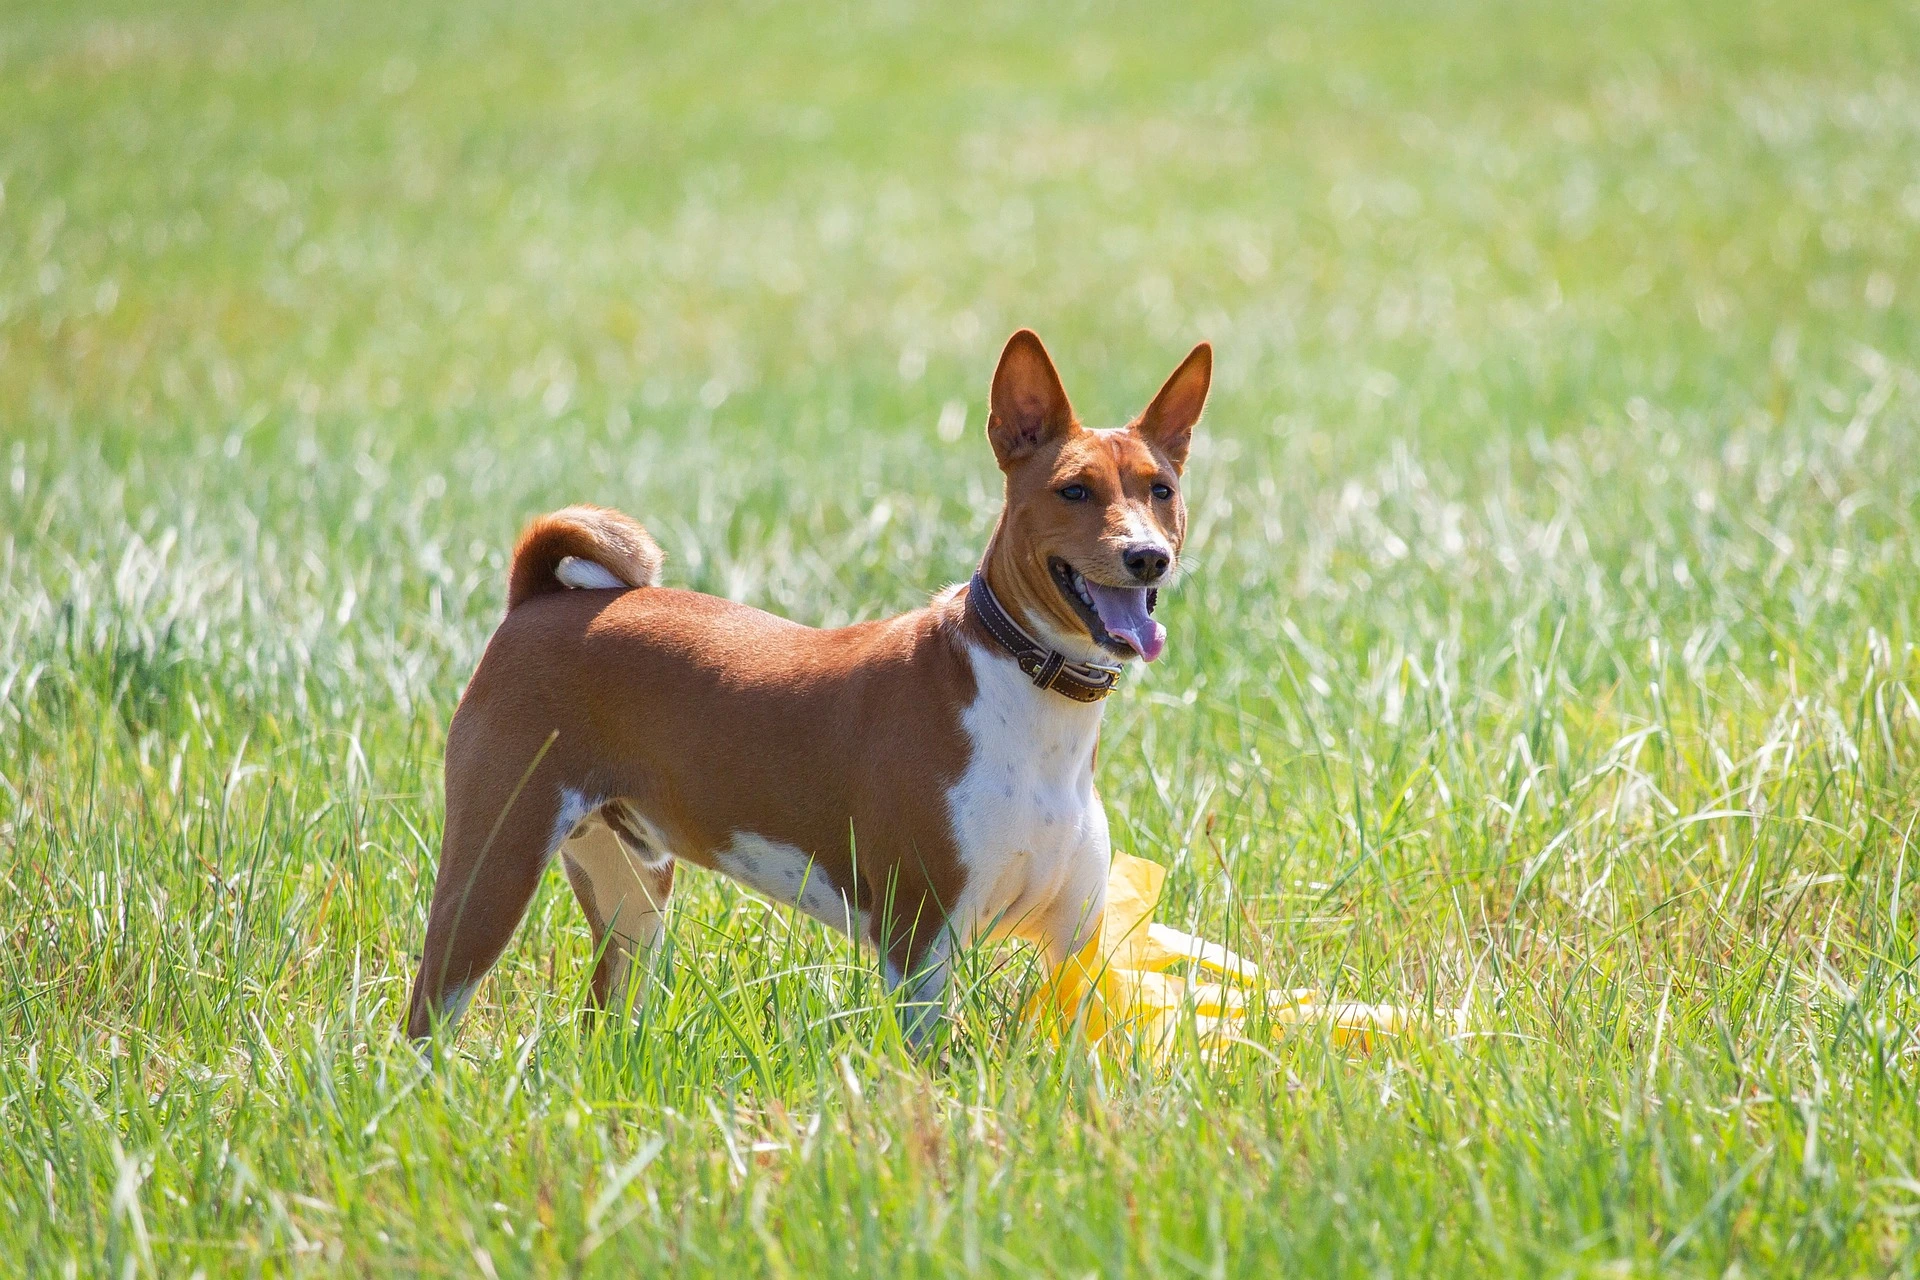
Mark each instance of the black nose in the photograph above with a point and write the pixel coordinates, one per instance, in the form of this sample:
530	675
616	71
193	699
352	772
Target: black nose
1147	562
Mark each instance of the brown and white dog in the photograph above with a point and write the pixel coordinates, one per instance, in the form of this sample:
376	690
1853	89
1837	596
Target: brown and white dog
922	781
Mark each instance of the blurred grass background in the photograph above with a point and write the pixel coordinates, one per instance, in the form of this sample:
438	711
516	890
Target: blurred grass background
1546	650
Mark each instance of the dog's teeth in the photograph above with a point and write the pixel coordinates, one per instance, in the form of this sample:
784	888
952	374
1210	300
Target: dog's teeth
1071	578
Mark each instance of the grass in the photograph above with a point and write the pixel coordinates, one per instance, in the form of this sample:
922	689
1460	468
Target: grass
1548	645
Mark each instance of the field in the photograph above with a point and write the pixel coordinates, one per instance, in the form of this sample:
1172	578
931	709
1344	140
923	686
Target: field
1546	653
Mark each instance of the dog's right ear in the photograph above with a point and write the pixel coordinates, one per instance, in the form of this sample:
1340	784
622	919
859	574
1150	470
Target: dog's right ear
1028	406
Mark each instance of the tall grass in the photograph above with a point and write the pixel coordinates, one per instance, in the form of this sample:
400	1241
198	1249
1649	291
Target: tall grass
1546	649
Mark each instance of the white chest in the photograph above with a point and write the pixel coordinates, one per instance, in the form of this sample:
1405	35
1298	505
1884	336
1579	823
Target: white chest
1027	822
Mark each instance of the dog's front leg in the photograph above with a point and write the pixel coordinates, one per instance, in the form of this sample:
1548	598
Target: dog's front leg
919	975
1064	927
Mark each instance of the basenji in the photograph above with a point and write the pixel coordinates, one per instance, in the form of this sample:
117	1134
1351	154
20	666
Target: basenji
920	782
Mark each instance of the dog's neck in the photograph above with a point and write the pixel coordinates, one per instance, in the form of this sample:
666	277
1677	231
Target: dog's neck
1024	586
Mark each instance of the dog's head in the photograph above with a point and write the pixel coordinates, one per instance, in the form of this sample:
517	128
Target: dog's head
1094	519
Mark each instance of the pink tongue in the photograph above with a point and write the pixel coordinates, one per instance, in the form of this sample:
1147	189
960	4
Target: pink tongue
1123	612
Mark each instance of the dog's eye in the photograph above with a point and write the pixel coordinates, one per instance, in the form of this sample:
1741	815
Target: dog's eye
1075	493
1163	491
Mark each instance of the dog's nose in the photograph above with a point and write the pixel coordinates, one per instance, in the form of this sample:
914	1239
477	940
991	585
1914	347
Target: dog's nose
1148	561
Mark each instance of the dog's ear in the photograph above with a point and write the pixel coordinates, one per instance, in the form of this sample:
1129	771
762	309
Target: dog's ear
1168	422
1028	406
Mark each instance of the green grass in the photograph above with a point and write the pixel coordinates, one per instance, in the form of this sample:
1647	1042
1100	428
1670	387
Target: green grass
1548	646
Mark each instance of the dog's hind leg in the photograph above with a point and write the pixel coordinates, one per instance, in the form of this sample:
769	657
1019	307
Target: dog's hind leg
622	878
491	860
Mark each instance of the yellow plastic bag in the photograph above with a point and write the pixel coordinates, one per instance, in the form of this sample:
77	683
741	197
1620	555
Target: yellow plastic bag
1118	992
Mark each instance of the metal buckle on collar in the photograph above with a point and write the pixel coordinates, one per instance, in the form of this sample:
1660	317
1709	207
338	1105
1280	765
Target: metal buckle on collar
1104	677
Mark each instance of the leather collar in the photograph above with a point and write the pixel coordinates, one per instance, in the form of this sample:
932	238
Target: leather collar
1047	668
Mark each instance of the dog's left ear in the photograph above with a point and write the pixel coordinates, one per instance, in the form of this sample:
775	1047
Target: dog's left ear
1028	407
1168	422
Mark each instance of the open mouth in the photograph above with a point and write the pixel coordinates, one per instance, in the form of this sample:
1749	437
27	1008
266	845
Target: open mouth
1118	618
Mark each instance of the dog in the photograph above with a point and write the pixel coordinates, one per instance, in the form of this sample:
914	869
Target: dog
921	782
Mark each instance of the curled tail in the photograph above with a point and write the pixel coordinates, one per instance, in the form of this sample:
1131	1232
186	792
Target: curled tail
588	547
